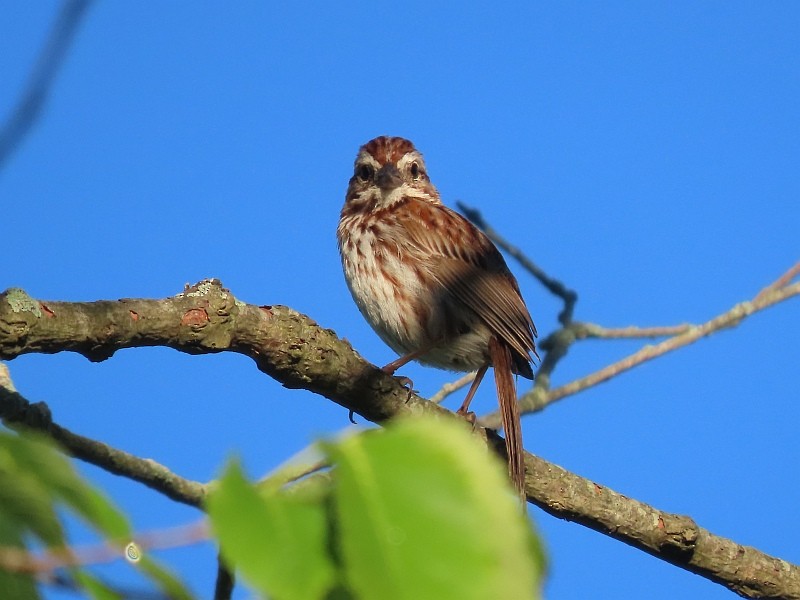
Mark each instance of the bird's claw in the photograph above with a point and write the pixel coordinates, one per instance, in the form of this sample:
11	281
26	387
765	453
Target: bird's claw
469	416
406	383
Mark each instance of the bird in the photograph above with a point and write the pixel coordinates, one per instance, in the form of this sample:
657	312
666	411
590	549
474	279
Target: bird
431	284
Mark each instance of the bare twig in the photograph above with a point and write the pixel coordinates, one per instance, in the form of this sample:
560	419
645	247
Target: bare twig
578	331
17	560
558	343
454	386
304	463
30	104
729	319
590	330
554	286
780	282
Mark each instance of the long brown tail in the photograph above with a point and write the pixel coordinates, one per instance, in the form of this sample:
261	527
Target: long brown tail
500	355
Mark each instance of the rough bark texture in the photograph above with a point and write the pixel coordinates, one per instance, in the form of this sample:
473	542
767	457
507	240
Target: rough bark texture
298	353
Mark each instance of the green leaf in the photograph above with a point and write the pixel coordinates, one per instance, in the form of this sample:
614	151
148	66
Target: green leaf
426	512
277	540
25	501
94	587
171	586
15	586
36	457
35	479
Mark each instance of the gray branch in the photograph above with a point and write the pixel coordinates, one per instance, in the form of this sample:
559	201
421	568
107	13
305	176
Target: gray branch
294	350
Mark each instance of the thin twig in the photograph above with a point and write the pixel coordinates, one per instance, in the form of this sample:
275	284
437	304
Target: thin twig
223	587
50	59
590	330
728	319
292	471
18	560
454	386
557	344
780	282
553	285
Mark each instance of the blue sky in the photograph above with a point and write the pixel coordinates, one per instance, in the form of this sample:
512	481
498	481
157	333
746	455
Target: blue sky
646	154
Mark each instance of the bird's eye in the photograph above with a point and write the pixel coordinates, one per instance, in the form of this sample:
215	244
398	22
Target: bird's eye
365	172
415	170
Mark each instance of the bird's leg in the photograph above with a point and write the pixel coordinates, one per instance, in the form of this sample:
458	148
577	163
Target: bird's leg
404	360
464	410
401	362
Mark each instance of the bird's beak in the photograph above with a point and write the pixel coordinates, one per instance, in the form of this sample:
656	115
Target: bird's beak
388	177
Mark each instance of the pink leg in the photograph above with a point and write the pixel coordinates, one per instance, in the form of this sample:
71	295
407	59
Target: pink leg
464	410
403	360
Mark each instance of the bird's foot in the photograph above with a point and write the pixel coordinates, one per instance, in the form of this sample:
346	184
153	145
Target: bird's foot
406	383
469	416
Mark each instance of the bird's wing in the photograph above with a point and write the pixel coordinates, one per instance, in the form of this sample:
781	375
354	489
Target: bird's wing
472	271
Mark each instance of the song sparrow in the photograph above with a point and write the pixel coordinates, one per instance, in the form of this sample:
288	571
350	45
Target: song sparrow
431	284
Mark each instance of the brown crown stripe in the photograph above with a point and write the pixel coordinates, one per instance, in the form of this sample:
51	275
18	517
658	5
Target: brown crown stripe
387	149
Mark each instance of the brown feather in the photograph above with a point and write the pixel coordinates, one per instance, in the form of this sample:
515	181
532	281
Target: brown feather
432	285
474	273
509	410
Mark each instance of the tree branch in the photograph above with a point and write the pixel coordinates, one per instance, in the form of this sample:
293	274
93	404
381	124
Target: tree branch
592	331
207	319
294	350
557	344
33	98
673	538
728	319
453	386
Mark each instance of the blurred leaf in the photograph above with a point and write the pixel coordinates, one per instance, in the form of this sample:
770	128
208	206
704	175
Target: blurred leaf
38	457
18	587
425	511
172	587
278	541
25	500
95	588
36	478
14	586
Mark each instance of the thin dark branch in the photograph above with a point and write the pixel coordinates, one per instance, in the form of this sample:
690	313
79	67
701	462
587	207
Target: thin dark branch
32	100
223	588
